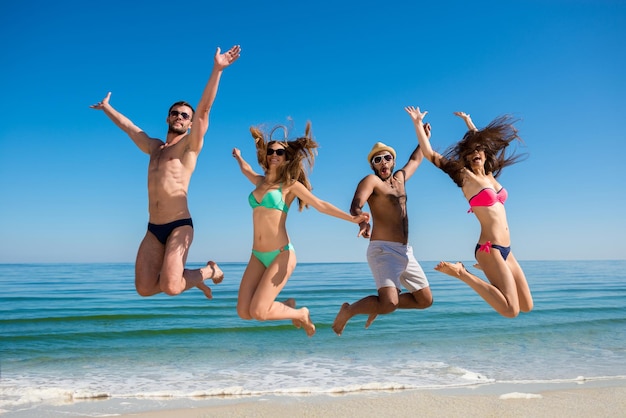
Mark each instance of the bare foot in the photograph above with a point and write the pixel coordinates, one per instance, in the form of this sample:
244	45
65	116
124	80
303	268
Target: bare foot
291	302
450	269
477	266
217	275
370	319
206	290
341	319
307	324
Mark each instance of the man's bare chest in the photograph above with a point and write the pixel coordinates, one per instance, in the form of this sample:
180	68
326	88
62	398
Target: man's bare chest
165	159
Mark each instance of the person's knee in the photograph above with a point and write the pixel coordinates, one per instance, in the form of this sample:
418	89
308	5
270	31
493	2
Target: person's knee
387	307
510	311
259	310
172	284
243	313
258	313
513	307
423	298
425	303
146	283
172	290
527	307
144	291
171	287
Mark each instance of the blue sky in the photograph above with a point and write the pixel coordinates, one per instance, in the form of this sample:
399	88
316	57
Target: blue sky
74	186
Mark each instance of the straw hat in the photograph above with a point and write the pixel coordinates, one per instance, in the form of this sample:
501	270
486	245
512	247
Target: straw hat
378	147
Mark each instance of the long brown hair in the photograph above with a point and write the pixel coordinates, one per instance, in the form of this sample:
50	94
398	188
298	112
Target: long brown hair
494	140
299	155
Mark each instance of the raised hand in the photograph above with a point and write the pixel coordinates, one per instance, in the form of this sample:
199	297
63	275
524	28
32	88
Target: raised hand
415	113
224	60
104	102
418	117
467	119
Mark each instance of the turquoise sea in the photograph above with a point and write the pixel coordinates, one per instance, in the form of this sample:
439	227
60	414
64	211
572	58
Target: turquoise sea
78	336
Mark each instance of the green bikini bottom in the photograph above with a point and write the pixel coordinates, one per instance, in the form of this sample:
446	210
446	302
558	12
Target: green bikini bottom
266	257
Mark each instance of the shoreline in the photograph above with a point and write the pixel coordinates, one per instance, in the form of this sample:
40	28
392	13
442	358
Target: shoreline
604	397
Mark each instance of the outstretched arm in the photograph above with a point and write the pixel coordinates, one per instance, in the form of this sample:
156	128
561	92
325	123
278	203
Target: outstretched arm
416	157
201	116
245	168
139	137
467	119
326	208
422	137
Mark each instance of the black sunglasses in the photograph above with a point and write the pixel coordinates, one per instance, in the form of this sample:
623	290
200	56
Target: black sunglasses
279	151
477	148
184	115
379	158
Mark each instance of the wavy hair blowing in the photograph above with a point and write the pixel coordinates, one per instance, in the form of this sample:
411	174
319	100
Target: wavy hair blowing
494	140
299	155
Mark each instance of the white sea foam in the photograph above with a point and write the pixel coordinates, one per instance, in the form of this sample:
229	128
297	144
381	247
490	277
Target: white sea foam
519	395
277	376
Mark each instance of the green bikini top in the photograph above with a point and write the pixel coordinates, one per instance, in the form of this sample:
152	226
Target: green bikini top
272	200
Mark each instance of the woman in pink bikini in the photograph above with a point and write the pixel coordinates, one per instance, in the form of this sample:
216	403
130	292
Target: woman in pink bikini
273	256
474	163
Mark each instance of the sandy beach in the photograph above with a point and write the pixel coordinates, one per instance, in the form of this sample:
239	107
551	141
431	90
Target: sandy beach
493	401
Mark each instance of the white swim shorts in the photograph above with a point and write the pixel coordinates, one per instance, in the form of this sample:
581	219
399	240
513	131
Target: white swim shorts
393	263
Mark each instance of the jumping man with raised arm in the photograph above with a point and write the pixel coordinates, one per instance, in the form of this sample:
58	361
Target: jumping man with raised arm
389	254
160	264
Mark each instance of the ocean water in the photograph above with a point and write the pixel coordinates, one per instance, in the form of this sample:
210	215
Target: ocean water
78	333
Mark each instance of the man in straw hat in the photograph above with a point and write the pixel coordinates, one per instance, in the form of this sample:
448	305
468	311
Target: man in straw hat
389	254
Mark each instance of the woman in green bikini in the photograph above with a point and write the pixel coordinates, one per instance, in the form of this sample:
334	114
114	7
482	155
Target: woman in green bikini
273	256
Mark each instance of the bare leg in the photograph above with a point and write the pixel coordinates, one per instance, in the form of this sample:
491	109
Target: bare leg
216	274
420	299
291	302
454	270
247	287
342	318
370	319
174	279
160	268
148	266
386	302
525	298
300	318
210	271
307	324
263	290
504	301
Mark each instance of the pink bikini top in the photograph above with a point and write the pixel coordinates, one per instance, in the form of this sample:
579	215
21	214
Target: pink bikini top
488	197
